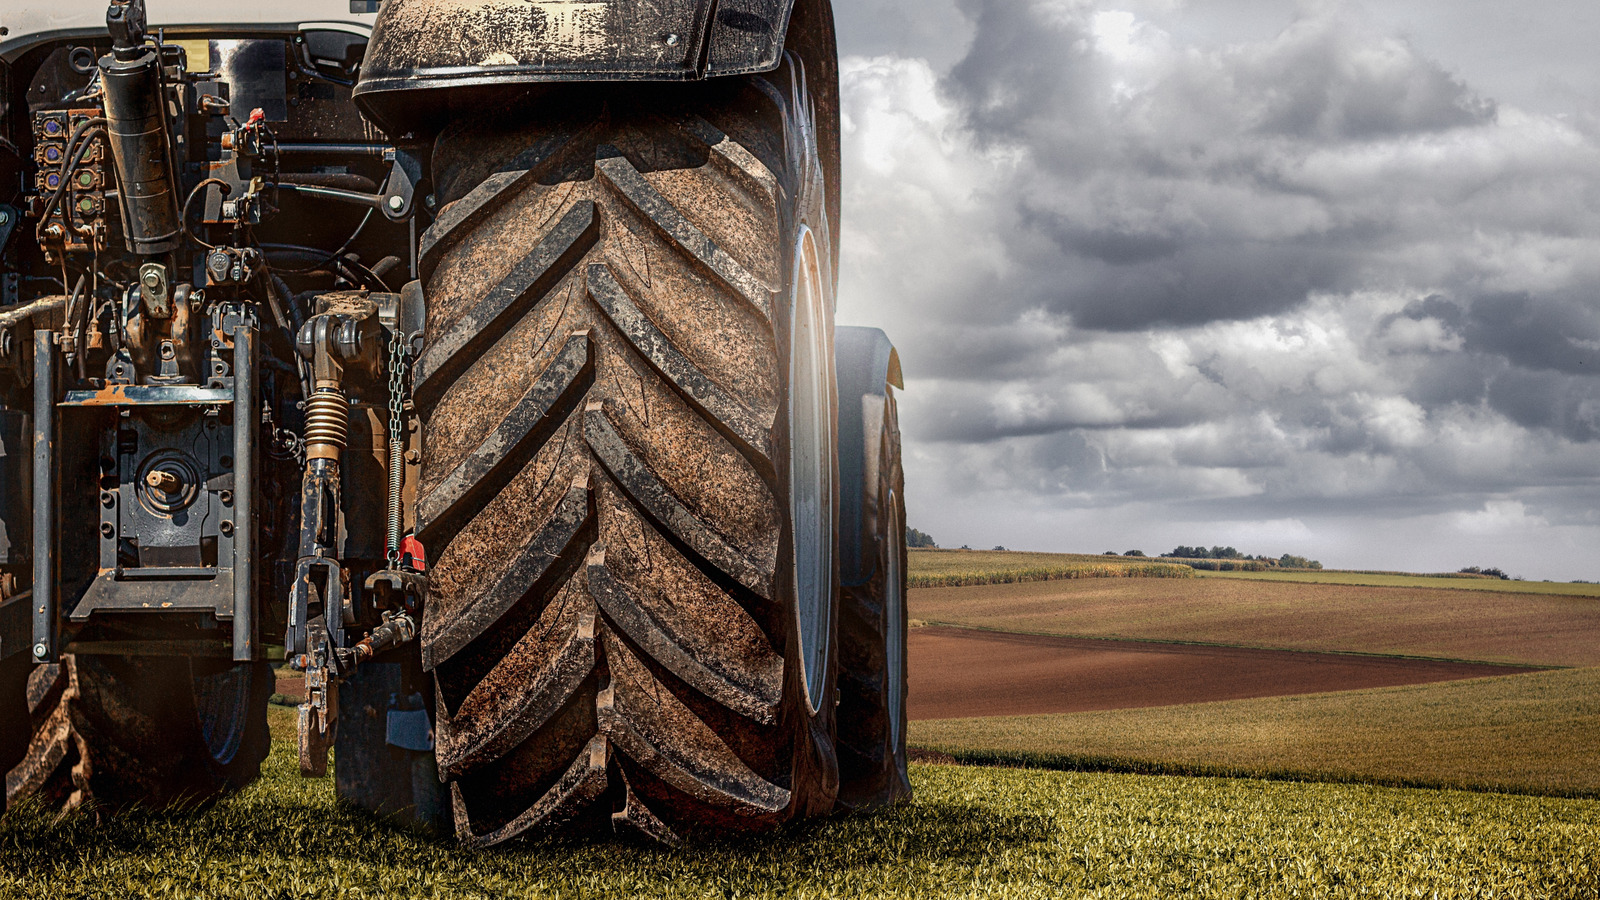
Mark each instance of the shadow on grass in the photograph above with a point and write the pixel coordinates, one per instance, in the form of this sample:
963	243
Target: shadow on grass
258	826
1066	762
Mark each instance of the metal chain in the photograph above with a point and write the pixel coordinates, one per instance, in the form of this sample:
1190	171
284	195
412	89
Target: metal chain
397	386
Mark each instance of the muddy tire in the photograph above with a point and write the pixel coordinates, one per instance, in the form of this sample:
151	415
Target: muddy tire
627	480
109	732
14	727
872	611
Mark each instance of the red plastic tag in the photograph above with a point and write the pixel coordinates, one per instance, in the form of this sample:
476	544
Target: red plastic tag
411	552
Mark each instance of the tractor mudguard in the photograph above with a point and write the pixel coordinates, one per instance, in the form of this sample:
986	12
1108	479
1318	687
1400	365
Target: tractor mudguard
430	43
428	58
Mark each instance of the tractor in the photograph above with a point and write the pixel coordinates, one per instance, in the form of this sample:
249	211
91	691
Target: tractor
475	359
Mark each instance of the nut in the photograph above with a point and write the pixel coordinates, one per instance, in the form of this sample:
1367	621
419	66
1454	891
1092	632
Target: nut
163	480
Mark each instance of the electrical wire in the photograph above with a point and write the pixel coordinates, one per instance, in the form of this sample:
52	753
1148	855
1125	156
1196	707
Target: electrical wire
331	257
188	201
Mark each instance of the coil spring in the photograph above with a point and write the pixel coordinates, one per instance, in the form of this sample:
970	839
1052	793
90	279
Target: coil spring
327	421
397	474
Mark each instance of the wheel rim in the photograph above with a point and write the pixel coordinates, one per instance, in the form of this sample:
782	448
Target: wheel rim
811	468
894	602
220	702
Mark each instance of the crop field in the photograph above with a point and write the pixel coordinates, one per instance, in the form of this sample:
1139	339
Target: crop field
1398	579
1537	732
1029	674
1528	629
971	832
954	568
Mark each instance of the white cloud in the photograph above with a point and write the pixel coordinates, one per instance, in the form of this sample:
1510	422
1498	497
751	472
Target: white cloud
1303	277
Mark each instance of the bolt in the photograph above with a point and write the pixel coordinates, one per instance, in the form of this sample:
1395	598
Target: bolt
671	40
107	529
397	203
163	480
167	350
4	217
107	499
225	496
40	650
226	527
152	279
413	457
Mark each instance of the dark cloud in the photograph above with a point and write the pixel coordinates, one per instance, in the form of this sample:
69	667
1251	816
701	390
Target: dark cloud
1284	278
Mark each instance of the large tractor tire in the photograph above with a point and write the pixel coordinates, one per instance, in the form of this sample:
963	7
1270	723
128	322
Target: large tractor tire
629	460
109	732
872	614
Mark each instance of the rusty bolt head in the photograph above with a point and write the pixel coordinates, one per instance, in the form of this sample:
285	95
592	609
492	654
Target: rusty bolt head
107	529
226	527
413	457
163	480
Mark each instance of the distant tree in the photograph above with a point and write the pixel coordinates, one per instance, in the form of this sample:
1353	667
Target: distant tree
1111	553
1134	553
1314	565
1491	571
965	547
915	538
1000	548
1224	553
1497	573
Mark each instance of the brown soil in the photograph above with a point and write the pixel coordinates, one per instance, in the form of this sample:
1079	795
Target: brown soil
957	673
1530	629
291	685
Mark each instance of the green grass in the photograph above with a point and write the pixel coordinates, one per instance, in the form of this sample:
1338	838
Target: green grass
1537	732
958	568
969	833
1399	579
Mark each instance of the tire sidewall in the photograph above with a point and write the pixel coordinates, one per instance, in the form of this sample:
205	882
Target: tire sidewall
803	193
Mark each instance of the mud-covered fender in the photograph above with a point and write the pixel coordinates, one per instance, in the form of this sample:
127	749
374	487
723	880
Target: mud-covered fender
420	44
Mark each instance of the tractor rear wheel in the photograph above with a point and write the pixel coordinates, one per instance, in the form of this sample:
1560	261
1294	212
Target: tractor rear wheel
872	611
628	460
115	731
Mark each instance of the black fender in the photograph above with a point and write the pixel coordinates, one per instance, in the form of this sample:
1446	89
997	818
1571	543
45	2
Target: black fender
422	45
866	366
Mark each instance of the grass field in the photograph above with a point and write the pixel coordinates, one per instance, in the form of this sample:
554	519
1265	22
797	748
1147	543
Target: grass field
970	833
1537	732
1526	629
955	568
1393	579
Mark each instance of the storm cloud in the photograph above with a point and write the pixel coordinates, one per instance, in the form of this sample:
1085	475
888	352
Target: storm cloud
1157	279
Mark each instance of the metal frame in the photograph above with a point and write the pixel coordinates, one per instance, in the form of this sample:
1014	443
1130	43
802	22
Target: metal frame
227	592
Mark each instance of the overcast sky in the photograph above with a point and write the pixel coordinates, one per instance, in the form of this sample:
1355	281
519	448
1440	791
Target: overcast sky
1319	278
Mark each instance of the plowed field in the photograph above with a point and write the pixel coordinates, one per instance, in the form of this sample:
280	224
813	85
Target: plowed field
1483	626
958	672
